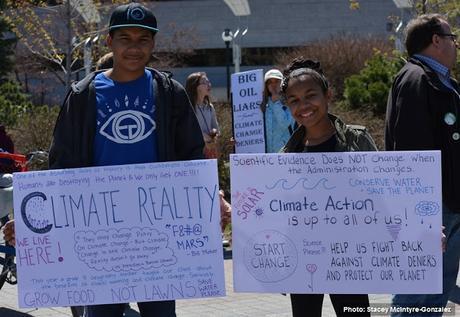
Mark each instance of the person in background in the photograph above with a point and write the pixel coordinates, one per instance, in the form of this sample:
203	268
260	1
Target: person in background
198	88
423	114
306	92
279	124
6	184
105	62
6	144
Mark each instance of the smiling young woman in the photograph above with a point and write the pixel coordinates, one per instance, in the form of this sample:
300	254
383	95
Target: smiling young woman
306	92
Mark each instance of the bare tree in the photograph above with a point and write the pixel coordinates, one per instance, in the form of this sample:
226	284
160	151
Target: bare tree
54	38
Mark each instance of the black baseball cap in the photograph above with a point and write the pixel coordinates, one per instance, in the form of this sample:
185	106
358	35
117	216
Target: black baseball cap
133	15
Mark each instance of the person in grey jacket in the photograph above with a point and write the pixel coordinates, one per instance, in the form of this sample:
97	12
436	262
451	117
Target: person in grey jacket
306	92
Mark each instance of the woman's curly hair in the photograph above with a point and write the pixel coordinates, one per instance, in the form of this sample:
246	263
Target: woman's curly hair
301	66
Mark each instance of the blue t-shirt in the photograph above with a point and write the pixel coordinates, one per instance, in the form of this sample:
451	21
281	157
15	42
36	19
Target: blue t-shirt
126	128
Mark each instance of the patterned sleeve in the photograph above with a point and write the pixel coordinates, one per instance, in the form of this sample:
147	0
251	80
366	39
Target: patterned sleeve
366	142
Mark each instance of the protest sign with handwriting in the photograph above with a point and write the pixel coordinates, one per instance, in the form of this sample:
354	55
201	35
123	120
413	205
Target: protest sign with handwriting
116	234
248	120
359	222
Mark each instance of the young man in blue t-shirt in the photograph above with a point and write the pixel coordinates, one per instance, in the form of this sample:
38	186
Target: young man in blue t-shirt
127	114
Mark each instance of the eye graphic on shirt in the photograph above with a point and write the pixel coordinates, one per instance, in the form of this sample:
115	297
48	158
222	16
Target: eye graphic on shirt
128	127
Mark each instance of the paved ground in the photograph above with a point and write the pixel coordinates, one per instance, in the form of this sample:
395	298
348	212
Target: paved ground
233	305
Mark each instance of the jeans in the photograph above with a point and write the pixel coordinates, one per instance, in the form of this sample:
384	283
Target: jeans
450	269
147	309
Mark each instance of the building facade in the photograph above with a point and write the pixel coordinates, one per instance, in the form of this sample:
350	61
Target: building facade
271	26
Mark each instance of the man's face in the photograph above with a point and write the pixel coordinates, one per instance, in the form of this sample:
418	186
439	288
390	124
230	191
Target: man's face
447	47
131	47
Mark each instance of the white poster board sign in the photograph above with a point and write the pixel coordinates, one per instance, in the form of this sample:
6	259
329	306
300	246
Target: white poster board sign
248	122
116	234
358	222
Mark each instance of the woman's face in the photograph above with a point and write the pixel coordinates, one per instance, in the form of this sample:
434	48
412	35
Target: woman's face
273	86
204	87
307	101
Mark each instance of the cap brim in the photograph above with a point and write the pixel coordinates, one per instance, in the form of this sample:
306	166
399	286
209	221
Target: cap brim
155	30
273	77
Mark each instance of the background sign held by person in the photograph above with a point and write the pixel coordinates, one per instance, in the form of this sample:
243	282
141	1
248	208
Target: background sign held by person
248	122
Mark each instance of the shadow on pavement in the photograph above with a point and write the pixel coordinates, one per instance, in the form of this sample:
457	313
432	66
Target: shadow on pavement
5	312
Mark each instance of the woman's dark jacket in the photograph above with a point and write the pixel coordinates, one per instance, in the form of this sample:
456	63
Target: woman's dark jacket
349	138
